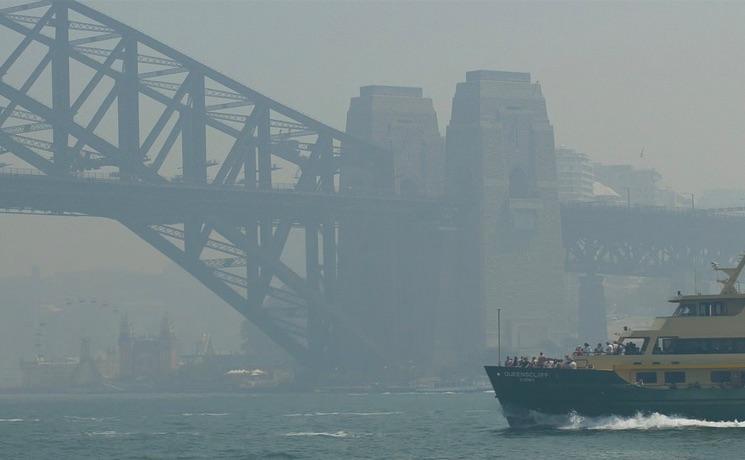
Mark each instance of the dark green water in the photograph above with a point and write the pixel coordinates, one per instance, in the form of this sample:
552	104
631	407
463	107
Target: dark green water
332	426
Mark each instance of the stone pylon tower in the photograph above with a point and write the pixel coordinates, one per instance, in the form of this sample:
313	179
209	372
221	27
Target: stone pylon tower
400	119
501	160
388	268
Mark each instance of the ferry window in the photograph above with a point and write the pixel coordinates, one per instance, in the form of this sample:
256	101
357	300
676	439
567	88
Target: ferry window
718	309
663	346
675	377
711	309
721	376
635	345
646	377
676	346
686	309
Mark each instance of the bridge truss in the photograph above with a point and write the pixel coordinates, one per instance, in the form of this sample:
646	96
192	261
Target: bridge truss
80	91
649	242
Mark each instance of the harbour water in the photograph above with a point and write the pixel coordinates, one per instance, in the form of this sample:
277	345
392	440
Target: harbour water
336	426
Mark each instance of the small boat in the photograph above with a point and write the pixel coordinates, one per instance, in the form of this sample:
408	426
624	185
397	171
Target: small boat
690	364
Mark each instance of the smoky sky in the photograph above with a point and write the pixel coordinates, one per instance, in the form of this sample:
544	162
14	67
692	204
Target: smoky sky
618	77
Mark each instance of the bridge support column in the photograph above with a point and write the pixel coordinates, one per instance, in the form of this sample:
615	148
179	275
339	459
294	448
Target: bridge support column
592	322
61	87
194	134
129	110
265	154
316	332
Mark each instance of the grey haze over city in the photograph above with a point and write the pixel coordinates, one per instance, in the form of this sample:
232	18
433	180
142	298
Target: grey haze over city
651	87
339	229
618	77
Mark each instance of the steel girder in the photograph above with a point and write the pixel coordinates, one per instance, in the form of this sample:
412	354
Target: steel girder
60	127
654	242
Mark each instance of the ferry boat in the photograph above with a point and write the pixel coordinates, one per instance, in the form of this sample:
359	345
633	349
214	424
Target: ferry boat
689	364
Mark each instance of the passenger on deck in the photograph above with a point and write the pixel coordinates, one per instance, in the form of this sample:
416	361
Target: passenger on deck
587	349
608	348
508	362
599	349
541	360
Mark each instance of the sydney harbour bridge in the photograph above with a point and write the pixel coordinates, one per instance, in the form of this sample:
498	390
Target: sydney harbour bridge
94	114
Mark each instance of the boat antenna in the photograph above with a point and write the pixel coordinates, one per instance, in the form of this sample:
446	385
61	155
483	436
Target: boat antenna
729	284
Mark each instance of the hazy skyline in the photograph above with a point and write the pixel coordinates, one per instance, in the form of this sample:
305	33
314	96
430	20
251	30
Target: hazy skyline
617	77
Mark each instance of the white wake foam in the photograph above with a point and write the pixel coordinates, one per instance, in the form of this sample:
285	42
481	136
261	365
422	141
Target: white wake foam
338	434
654	421
358	414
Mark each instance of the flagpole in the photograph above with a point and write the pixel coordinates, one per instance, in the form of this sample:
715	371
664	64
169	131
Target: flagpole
499	336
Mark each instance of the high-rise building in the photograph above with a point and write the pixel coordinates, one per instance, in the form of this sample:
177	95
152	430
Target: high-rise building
574	175
501	160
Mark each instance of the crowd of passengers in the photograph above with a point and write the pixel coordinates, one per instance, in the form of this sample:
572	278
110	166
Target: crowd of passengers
541	361
610	348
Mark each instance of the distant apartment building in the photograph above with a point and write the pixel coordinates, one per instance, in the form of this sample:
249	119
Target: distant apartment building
721	198
638	186
574	175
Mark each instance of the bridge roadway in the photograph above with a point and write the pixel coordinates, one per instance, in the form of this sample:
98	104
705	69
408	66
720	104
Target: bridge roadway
649	241
603	239
26	191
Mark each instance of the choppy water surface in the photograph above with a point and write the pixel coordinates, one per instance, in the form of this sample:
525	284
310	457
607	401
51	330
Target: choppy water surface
338	426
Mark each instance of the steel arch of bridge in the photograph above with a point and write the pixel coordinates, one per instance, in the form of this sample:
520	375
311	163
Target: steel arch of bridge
76	94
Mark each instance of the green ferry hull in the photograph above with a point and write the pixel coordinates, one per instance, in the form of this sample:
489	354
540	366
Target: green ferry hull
523	392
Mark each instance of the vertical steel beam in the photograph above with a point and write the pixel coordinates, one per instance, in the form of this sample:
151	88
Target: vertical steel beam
194	135
249	166
252	227
264	169
61	87
316	330
128	107
330	267
265	153
194	156
252	268
330	276
325	144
